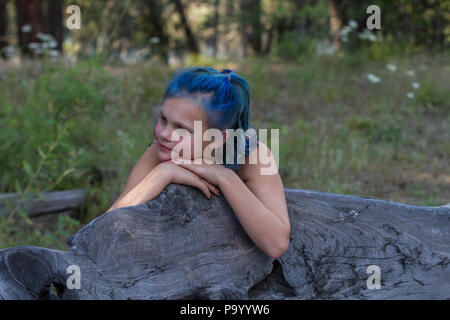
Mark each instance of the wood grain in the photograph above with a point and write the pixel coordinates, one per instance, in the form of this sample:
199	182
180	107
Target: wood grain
44	203
183	246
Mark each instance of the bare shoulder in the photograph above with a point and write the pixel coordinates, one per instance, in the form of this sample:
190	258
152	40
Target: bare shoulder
259	162
150	156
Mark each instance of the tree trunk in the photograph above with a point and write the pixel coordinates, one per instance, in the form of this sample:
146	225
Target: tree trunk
227	22
216	23
158	26
181	245
335	23
30	21
192	43
45	203
251	27
55	21
3	28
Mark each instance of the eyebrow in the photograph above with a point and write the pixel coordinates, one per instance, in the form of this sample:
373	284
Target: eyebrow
178	124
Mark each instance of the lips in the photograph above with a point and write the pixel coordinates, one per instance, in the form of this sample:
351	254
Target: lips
163	147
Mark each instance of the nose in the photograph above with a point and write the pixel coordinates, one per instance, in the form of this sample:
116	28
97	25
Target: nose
166	133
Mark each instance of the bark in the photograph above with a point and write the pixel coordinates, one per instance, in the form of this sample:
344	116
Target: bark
159	28
216	22
55	21
29	12
3	27
251	28
181	245
45	203
335	23
190	37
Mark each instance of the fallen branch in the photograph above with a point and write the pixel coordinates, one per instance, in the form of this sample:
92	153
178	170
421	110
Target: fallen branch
184	246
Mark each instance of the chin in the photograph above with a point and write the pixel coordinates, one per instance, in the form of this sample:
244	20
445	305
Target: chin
163	156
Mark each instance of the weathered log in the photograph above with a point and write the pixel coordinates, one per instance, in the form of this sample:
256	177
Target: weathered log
44	203
181	245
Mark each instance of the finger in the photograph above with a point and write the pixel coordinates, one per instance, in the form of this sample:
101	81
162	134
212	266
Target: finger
203	187
213	188
199	171
195	168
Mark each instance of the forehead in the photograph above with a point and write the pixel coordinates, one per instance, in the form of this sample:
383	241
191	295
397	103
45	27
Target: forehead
183	110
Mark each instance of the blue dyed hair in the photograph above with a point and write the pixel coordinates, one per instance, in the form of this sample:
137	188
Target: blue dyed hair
225	97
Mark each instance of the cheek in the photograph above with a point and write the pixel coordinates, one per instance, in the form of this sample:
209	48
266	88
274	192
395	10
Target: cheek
158	129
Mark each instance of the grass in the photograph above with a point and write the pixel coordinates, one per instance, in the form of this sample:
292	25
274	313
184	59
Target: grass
85	125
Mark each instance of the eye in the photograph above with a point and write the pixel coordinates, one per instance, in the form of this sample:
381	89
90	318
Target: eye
189	131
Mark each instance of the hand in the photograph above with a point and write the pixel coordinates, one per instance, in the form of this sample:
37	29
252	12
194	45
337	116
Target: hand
181	175
213	173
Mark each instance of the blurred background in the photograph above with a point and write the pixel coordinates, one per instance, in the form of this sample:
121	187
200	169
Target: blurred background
360	112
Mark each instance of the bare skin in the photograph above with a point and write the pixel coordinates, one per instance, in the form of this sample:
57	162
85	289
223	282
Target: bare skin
257	200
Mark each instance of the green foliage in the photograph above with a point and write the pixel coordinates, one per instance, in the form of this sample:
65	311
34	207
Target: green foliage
54	119
51	235
338	132
374	131
291	46
433	94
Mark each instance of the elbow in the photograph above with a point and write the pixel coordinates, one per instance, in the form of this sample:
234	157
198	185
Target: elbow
279	252
281	248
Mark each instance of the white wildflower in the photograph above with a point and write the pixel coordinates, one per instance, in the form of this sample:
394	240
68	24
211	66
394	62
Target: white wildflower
373	78
353	24
53	53
323	48
53	44
26	28
410	73
154	40
391	67
415	85
367	35
9	51
344	33
44	37
410	95
33	45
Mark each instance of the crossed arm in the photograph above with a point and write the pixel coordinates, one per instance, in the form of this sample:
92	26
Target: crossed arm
259	202
260	206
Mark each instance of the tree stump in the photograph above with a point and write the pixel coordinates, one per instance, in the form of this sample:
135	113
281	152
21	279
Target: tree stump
181	245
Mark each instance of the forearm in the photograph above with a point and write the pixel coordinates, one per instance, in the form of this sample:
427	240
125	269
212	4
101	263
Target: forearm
147	189
266	230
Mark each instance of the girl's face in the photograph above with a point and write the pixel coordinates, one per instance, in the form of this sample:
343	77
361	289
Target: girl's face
178	113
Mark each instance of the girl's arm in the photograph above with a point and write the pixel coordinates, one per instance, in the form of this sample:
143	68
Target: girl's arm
259	203
260	206
158	178
146	189
143	167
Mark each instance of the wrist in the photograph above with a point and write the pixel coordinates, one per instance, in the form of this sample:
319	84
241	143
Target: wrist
163	171
225	176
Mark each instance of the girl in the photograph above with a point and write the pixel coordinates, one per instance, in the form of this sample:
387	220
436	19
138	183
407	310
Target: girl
219	100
